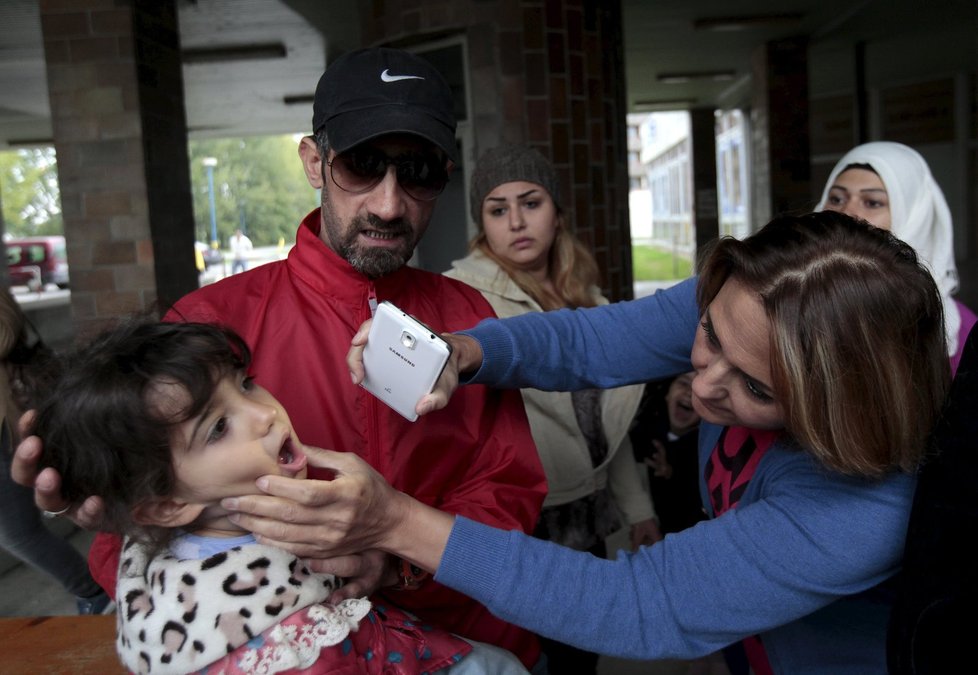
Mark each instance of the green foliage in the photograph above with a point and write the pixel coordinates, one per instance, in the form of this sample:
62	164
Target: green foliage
653	264
259	186
29	192
258	183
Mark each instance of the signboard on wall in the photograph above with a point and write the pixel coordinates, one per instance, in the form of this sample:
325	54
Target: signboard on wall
917	114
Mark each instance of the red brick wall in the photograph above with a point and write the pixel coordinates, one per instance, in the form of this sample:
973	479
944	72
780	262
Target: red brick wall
111	171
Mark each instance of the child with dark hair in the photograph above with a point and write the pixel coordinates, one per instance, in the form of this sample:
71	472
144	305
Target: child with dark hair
665	437
163	421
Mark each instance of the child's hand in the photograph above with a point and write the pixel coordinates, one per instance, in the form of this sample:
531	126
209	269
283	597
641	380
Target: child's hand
644	533
659	462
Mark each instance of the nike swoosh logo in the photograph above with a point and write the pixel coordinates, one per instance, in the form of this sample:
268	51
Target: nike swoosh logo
387	77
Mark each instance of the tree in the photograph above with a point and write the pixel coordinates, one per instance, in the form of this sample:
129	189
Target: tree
30	196
259	186
258	182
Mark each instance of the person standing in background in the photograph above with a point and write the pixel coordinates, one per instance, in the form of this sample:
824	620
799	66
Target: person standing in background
524	259
240	246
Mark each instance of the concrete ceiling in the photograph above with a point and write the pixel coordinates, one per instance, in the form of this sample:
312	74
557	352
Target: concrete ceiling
270	92
677	37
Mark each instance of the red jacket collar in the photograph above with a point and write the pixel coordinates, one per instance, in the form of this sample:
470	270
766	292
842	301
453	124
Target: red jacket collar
321	268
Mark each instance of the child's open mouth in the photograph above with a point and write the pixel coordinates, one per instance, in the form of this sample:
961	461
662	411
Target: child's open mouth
291	458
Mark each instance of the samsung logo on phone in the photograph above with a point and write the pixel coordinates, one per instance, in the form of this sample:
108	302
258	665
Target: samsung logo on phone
401	356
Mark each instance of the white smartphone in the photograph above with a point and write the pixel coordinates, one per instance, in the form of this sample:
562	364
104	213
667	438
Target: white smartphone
402	360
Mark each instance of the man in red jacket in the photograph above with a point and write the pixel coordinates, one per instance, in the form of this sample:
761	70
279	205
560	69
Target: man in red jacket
383	147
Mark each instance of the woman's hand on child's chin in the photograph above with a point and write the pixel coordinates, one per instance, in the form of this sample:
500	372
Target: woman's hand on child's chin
353	512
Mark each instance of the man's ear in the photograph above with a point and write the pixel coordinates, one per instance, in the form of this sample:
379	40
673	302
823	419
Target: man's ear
312	161
165	512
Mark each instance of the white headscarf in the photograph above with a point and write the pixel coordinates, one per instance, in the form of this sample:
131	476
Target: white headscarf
919	215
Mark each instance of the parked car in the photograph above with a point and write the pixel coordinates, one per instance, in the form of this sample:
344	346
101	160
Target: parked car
211	256
37	261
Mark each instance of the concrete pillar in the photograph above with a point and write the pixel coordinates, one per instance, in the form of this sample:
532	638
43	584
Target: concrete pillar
780	133
551	75
703	153
116	90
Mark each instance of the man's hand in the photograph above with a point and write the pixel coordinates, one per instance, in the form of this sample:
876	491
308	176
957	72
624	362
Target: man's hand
47	483
350	514
363	573
354	357
466	357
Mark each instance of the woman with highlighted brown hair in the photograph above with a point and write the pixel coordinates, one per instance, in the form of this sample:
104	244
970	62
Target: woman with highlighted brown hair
821	365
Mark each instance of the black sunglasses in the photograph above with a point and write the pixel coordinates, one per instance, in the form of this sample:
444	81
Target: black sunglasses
423	175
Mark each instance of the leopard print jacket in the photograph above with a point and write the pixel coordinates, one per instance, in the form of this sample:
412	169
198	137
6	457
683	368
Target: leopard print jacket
178	616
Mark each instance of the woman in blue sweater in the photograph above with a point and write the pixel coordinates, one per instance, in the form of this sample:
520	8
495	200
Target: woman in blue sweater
818	346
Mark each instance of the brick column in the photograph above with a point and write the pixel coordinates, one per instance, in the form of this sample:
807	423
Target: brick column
551	75
116	93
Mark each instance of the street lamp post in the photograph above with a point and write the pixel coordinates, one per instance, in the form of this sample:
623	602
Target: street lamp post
209	164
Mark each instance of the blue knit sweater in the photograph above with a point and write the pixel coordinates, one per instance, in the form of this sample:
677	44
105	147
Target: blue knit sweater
800	561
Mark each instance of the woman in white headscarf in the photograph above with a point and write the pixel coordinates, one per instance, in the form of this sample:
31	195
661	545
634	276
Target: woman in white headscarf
890	186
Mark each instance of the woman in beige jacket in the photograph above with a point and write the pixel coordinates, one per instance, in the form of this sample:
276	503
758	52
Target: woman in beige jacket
524	259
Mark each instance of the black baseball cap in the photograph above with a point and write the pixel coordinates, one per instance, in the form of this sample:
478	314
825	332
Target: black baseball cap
376	91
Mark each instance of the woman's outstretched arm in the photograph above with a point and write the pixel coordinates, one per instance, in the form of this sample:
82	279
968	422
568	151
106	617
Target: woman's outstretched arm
566	350
809	538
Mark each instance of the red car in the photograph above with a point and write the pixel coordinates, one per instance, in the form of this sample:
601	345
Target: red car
37	261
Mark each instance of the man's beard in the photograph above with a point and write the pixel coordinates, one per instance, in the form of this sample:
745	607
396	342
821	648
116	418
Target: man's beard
373	262
370	261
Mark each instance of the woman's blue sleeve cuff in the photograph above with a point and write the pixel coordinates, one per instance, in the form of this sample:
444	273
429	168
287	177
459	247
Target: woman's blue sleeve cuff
473	557
498	353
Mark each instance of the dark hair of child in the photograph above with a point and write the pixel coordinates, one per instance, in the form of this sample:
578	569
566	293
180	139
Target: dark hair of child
103	431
